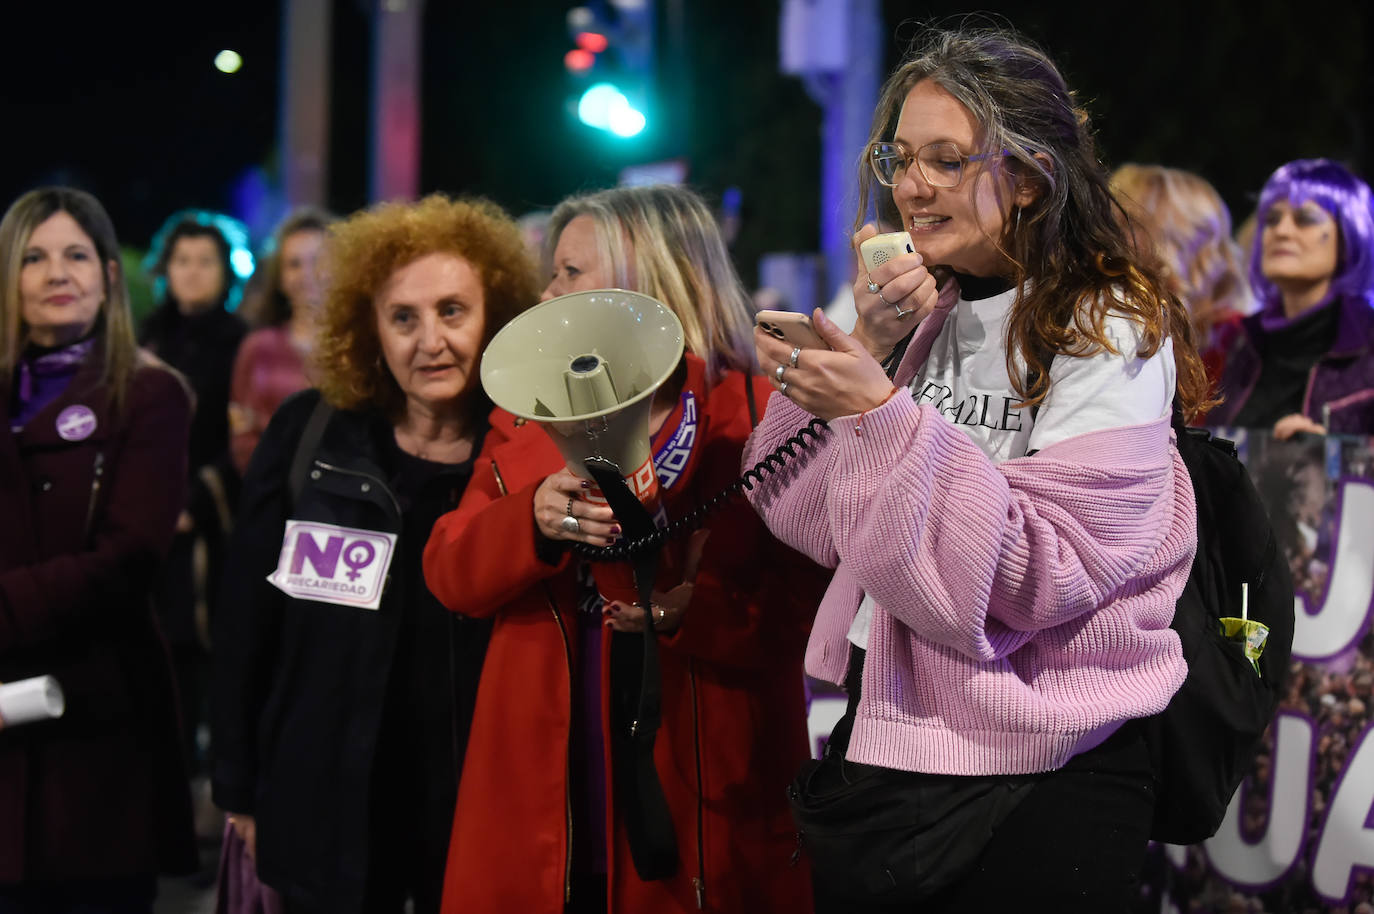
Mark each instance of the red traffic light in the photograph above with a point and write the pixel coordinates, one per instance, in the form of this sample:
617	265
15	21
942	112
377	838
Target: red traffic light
594	42
578	60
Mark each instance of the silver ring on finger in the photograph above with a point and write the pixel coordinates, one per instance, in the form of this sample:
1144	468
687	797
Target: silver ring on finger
778	373
570	525
874	289
796	352
569	511
900	313
783	389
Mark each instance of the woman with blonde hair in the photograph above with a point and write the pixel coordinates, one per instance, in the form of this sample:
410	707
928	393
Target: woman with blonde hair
1187	225
92	477
664	242
544	821
343	689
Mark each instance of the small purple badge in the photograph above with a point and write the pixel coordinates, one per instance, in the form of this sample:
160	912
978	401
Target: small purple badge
76	423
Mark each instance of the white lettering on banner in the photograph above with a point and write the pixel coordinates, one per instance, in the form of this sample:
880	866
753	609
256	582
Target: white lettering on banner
365	557
1347	838
1256	862
1177	854
825	713
1325	631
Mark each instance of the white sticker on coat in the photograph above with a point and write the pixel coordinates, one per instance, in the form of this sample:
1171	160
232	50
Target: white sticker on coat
333	564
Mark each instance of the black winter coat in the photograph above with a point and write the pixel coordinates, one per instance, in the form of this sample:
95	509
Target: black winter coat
304	690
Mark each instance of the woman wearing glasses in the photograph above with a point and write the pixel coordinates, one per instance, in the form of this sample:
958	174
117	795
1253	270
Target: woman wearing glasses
1008	517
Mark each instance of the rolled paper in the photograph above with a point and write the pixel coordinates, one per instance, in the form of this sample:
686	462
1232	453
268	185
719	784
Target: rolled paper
29	700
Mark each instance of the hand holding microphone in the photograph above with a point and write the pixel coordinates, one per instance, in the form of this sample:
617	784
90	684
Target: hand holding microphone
893	290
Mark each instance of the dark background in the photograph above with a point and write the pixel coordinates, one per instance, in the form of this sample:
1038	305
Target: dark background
129	106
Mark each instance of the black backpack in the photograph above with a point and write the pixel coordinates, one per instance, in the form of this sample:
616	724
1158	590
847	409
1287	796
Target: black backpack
1203	743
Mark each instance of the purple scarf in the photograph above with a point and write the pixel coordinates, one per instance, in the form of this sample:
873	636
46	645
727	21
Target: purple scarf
1273	319
43	374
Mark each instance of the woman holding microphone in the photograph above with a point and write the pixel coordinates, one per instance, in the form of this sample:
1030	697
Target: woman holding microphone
1007	514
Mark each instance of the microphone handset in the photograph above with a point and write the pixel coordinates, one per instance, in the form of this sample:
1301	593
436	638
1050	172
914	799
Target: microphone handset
631	547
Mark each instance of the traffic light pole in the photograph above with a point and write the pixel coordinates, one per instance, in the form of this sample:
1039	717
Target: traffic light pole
835	47
395	165
304	125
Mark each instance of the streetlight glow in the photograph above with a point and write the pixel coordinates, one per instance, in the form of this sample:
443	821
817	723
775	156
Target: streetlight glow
228	61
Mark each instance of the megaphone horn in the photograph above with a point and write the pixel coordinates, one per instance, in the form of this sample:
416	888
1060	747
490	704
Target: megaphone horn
586	366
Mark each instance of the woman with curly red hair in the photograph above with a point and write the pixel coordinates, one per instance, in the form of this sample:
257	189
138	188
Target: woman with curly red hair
343	688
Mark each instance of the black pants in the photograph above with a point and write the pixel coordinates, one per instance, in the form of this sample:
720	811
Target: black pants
130	895
1076	843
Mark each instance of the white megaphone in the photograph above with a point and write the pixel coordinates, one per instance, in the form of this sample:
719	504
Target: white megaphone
585	366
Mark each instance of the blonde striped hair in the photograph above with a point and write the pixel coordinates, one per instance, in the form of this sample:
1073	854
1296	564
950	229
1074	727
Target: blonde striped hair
662	240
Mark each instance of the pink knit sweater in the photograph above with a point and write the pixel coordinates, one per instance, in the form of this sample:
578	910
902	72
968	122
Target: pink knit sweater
1022	609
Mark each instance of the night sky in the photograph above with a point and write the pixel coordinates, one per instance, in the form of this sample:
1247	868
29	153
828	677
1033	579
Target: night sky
129	106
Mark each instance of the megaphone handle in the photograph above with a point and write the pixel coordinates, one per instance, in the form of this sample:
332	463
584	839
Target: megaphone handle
634	519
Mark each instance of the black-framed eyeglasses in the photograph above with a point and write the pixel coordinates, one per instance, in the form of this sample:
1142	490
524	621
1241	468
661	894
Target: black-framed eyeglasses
941	164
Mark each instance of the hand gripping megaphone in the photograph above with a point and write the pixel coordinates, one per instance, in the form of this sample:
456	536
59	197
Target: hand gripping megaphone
586	366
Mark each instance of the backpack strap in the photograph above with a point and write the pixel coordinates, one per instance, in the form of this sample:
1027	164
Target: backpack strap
306	446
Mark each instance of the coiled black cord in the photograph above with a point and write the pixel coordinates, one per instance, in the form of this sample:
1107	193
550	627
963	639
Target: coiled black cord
814	430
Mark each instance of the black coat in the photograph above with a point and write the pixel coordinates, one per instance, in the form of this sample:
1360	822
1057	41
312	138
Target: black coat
303	690
84	524
201	346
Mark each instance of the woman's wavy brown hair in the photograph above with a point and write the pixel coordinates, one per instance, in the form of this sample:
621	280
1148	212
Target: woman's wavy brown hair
1068	254
363	252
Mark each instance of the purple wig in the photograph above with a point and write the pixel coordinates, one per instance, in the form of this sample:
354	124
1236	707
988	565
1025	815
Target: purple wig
1332	187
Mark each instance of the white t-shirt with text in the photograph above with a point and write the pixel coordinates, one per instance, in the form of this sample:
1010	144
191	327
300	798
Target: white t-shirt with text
966	379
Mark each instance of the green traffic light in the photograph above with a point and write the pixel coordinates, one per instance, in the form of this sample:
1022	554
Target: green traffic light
605	107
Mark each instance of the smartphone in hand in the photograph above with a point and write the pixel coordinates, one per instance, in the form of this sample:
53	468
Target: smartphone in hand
881	248
790	327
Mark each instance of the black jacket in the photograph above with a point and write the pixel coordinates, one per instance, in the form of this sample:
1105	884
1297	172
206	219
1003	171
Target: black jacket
301	697
202	347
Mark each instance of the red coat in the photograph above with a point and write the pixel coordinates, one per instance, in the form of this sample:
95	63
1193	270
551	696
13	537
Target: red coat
732	689
101	792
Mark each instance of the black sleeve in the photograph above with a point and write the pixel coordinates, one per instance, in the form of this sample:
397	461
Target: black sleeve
247	626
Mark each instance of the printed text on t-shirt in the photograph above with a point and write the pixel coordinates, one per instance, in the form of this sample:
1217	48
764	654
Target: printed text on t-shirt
1001	413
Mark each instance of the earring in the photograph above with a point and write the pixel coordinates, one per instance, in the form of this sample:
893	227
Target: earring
1016	222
